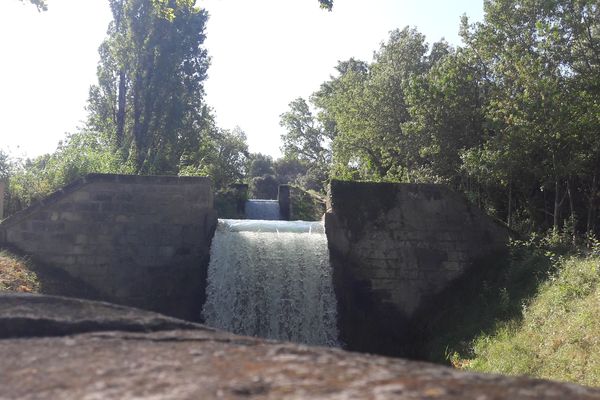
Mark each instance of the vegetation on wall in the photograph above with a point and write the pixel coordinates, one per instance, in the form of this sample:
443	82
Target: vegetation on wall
306	205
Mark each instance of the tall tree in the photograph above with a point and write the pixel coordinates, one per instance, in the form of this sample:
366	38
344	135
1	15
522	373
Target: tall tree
305	138
533	50
308	141
40	4
221	154
446	107
149	97
326	4
368	105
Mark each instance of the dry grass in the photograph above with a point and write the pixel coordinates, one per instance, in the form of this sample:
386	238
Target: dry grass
16	275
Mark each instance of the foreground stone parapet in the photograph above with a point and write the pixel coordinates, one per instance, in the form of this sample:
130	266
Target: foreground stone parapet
27	315
204	365
201	363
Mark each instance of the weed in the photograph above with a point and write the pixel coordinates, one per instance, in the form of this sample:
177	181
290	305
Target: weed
16	275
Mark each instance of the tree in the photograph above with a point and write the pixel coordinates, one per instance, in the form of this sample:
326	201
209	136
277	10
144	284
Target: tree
308	141
446	107
368	105
4	166
528	48
221	155
305	138
260	165
149	97
264	187
40	4
290	170
326	4
78	154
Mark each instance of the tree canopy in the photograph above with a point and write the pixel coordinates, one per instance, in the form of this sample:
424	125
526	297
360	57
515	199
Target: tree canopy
40	4
511	118
149	97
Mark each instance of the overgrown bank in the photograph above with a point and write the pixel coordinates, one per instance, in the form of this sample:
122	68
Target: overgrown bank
536	313
19	273
16	274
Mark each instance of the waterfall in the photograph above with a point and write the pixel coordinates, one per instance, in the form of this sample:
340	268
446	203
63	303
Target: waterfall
272	279
262	209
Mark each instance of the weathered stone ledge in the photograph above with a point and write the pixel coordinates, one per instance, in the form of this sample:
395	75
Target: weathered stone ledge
201	363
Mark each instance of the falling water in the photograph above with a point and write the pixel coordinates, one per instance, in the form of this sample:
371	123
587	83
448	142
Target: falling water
262	209
272	279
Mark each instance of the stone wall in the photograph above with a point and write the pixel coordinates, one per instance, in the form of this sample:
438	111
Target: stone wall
141	241
393	248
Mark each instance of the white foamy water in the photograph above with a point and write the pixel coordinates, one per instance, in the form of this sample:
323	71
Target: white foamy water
272	279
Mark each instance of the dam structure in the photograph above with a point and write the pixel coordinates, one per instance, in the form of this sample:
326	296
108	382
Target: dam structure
391	253
272	279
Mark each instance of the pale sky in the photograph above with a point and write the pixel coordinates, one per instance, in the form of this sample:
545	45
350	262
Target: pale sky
265	53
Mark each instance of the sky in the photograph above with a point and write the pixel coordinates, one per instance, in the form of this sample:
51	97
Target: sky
264	54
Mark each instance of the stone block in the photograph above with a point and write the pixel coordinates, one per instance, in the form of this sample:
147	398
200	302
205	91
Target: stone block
71	216
81	196
105	197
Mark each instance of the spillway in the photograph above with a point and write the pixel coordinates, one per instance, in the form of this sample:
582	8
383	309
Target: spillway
262	209
272	279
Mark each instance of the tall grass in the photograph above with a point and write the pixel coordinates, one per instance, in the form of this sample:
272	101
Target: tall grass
558	336
534	312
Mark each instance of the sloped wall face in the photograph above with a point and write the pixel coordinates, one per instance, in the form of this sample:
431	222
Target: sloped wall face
393	248
141	241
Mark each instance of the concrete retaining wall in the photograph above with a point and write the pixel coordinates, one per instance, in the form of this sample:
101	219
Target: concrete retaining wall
394	247
141	241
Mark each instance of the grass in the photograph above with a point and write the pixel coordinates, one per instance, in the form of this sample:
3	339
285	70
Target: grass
558	336
535	312
16	274
486	297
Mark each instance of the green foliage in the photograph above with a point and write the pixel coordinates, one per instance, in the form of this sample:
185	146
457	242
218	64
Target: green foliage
79	154
305	137
4	165
511	119
367	105
149	97
259	165
307	140
289	170
557	337
230	203
264	187
326	4
40	4
221	155
306	205
535	312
